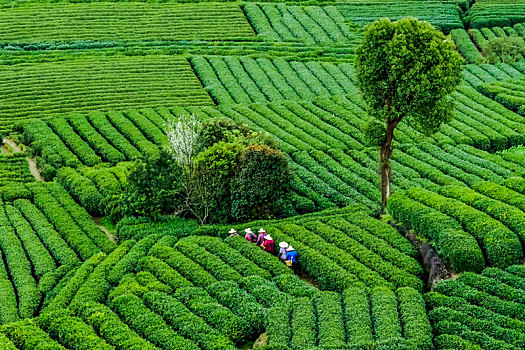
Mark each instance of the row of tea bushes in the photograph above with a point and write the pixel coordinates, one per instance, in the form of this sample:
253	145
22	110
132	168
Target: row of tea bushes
94	187
121	22
356	319
480	312
311	24
45	234
97	82
496	13
450	222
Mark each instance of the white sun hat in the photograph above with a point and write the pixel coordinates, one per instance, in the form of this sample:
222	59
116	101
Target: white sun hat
283	245
269	238
261	230
248	230
290	248
233	231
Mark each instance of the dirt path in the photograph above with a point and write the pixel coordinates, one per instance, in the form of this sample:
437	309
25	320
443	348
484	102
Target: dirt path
308	279
34	169
111	236
13	145
10	146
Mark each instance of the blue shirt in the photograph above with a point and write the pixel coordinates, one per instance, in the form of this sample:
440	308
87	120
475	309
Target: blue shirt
291	256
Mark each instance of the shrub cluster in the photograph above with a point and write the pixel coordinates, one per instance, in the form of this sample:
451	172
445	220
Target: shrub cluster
230	256
266	292
211	263
465	46
63	222
20	270
56	244
331	332
130	262
42	261
257	255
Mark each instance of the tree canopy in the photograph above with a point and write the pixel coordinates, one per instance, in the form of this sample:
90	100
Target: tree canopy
405	70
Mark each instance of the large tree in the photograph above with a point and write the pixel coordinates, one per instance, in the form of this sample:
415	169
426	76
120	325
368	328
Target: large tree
406	70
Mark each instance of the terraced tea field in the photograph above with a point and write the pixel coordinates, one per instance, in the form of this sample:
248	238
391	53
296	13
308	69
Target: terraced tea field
87	90
97	83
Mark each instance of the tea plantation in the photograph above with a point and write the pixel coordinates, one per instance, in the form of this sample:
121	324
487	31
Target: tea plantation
91	91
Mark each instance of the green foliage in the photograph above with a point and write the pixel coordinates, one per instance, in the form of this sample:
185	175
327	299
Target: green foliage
148	83
153	188
358	323
312	24
81	188
278	327
215	315
261	185
412	313
225	130
506	50
396	82
483	14
303	325
26	335
264	291
215	167
63	222
257	256
331	332
374	133
453	244
501	246
148	324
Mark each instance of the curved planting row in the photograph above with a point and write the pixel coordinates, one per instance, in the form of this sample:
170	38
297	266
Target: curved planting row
496	13
341	178
480	311
341	251
90	140
472	43
160	298
468	228
201	292
364	13
44	235
92	187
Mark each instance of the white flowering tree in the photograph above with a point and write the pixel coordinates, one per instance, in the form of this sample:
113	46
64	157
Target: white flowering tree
183	135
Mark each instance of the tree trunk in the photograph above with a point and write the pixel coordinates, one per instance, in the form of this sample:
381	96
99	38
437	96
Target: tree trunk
386	170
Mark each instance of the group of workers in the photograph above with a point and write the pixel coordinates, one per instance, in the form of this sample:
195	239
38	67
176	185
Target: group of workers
287	253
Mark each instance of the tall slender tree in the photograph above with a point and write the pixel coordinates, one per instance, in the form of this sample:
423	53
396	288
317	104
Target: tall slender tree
406	71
